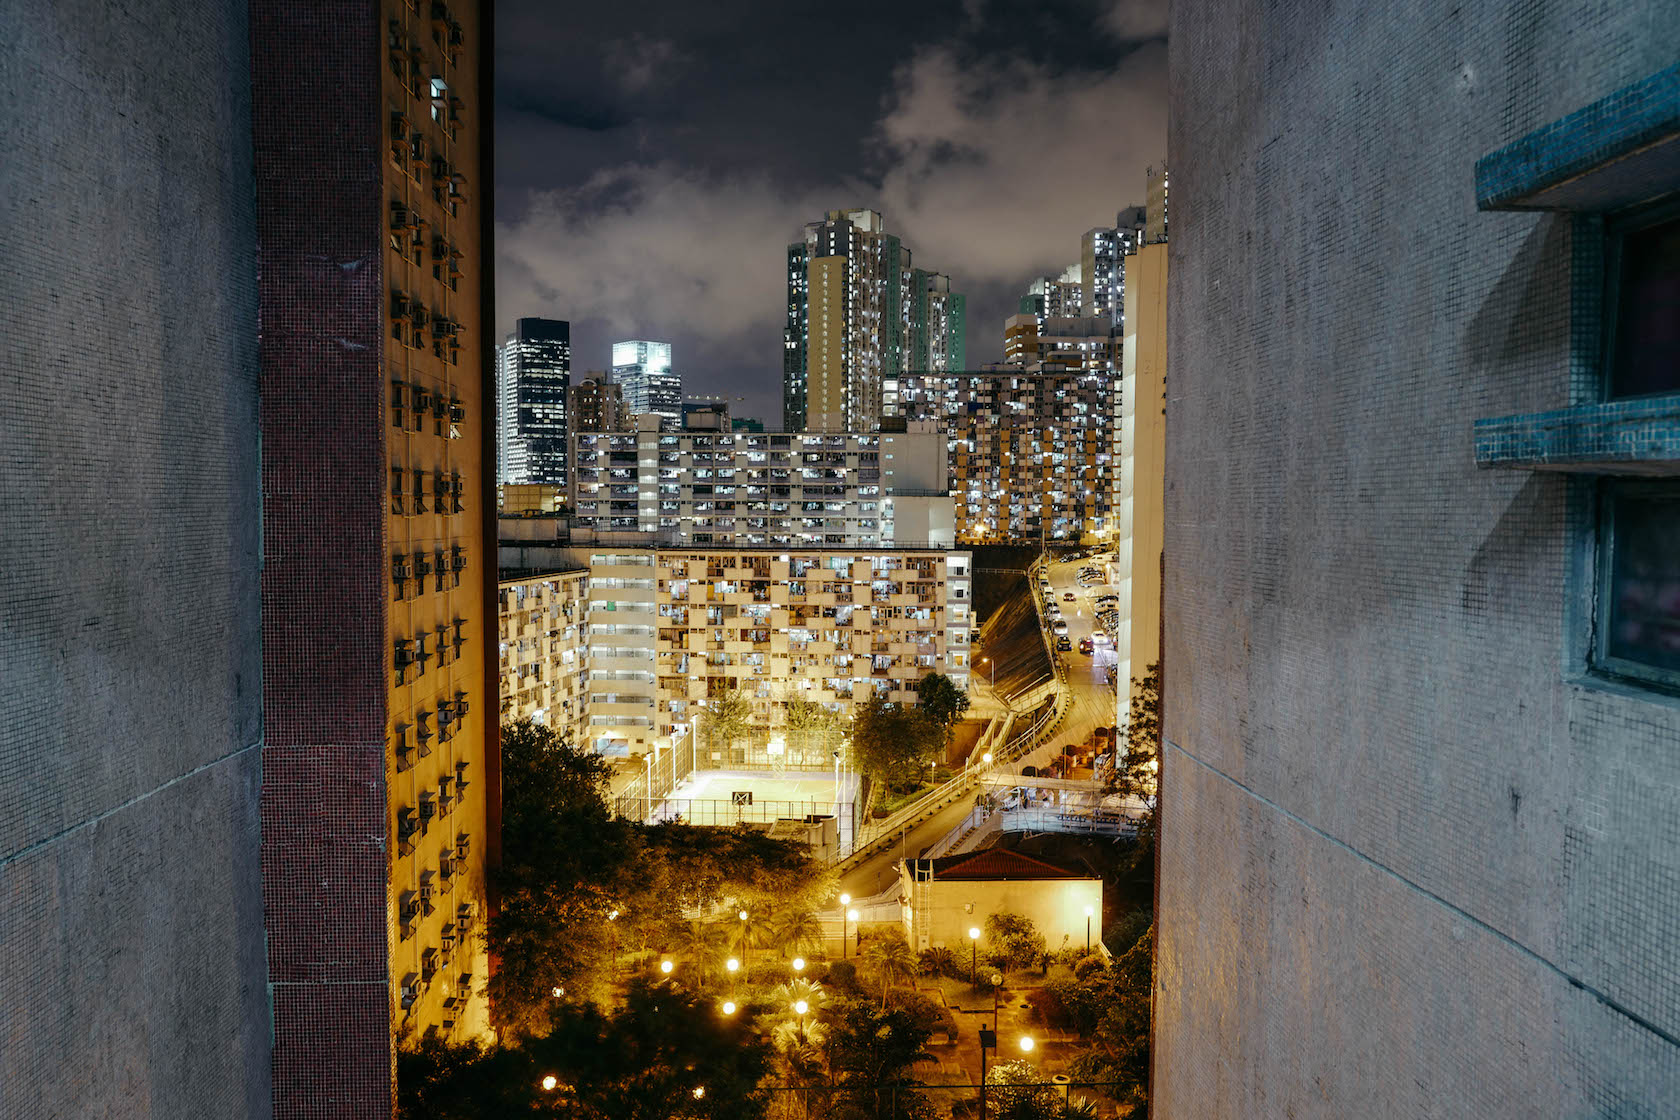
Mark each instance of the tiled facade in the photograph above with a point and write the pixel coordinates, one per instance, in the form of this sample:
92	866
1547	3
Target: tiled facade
764	489
380	725
543	649
1417	856
1032	454
132	957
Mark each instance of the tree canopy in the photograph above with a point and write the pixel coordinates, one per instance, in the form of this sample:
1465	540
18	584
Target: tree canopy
942	702
889	741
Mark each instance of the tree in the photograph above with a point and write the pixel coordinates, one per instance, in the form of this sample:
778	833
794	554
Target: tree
889	740
871	1051
941	701
641	1061
728	718
811	727
1135	775
794	929
891	959
1016	938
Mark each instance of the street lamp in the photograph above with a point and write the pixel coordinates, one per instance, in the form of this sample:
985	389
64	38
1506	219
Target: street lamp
800	1007
997	984
799	964
852	916
973	953
1087	930
729	1007
549	1083
666	967
732	964
699	1091
746	932
986	758
612	920
992	673
1026	1044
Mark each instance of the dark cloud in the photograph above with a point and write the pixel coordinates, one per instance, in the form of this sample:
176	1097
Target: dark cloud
990	135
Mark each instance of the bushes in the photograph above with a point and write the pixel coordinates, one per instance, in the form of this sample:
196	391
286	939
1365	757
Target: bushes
1015	939
938	961
1085	966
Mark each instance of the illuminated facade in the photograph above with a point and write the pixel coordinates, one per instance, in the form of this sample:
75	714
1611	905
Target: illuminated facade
543	649
642	371
1031	452
533	396
858	314
764	488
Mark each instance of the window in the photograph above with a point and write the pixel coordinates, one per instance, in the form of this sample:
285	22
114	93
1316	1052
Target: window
1612	165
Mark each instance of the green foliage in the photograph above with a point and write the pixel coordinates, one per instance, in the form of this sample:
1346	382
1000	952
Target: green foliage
1135	774
641	1061
890	959
728	718
810	725
793	929
942	702
1015	939
1089	965
873	1046
890	742
1014	1092
938	961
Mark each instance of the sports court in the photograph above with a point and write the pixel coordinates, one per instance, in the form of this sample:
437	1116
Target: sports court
726	797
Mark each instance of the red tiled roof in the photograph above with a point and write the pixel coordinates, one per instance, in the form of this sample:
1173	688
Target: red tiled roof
998	863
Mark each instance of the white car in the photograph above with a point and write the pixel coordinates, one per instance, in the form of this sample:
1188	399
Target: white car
1059	627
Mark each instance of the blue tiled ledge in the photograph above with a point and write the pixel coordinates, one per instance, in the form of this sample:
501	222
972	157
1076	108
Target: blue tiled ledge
1620	149
1638	437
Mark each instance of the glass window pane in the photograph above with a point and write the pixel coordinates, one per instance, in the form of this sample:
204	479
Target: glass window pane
1647	331
1642	601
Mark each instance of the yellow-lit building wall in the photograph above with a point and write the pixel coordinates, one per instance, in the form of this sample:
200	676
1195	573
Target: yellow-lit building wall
1143	427
942	912
826	349
436	764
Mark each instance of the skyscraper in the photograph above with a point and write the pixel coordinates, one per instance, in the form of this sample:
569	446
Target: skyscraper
378	698
642	370
858	314
533	379
597	405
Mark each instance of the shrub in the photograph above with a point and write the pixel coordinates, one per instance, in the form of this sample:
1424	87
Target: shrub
1015	938
1087	965
843	976
937	961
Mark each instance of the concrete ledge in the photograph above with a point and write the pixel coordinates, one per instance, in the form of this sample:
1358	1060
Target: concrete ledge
1631	437
1621	149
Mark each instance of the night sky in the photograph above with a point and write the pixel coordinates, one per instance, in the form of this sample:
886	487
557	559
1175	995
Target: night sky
653	161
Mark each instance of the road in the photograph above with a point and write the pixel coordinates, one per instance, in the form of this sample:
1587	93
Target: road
1091	705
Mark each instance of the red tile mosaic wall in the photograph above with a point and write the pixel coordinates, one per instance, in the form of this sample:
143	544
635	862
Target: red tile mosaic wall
316	124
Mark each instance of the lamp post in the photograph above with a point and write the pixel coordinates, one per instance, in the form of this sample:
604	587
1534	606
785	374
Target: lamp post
666	966
845	900
973	954
746	935
799	964
997	983
1087	931
612	920
988	1041
853	915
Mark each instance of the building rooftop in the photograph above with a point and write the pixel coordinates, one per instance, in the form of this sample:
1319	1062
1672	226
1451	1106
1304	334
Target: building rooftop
997	863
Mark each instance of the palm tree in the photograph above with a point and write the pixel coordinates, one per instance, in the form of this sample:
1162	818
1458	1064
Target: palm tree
793	930
786	995
891	959
702	943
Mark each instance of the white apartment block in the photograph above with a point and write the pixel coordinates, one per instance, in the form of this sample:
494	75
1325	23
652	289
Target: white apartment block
543	650
661	631
763	489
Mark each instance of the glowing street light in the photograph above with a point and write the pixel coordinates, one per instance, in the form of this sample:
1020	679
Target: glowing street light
1087	929
699	1091
986	758
799	964
973	951
666	967
557	992
729	1007
801	1007
1026	1044
732	964
549	1083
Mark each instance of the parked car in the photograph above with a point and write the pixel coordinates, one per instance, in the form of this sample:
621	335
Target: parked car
1068	596
1063	643
1101	638
1106	598
1059	627
1085	645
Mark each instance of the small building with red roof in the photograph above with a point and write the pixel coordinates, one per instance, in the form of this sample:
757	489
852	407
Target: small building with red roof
944	898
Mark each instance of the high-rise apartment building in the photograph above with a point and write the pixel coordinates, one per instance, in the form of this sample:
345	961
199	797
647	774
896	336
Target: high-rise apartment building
1031	451
858	314
667	630
544	649
719	487
1421	615
1155	206
642	371
1141	439
379	697
1054	343
597	405
533	386
1059	296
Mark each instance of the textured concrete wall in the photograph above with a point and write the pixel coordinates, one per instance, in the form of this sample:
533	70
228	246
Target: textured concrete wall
131	935
1408	866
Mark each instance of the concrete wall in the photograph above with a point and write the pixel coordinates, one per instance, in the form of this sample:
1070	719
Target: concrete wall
131	924
1142	463
941	913
1408	866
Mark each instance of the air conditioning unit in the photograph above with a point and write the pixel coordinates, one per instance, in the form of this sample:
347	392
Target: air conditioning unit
412	986
407	826
463	844
428	807
461	782
448	936
408	906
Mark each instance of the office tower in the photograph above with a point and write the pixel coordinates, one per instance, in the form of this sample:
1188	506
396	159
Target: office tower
642	370
1030	451
858	314
1418	850
131	708
533	387
380	701
715	487
597	405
